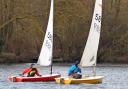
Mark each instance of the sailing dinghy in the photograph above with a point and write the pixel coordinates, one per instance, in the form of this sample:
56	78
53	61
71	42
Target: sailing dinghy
45	58
90	51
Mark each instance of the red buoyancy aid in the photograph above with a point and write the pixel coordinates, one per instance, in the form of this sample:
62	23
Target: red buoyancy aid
26	71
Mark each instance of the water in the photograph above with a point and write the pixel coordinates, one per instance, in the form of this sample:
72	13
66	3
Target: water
116	77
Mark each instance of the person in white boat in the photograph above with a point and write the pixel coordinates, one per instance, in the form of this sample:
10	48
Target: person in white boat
31	72
74	71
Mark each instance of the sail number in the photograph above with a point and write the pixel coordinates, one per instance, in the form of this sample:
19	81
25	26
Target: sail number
96	27
98	18
49	36
48	43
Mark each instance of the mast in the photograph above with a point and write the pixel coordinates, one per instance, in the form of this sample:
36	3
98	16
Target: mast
52	7
51	69
94	69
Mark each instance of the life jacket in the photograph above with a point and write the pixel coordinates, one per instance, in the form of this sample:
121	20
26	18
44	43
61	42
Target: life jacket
32	73
74	69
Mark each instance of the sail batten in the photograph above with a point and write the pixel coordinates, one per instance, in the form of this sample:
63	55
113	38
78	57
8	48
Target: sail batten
90	52
45	57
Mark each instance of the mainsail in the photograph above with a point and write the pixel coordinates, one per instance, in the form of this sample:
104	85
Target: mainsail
45	58
90	52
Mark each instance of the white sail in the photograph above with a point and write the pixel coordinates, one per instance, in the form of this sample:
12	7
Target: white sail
90	52
45	58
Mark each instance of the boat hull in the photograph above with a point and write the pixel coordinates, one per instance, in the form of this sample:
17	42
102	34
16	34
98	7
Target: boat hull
88	80
44	78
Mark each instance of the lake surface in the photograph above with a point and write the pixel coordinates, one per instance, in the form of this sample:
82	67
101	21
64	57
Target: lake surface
116	77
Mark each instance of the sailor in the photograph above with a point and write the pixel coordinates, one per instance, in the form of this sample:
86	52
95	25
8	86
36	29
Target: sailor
31	72
74	71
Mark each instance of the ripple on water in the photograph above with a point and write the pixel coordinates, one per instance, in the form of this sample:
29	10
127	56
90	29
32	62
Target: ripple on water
116	77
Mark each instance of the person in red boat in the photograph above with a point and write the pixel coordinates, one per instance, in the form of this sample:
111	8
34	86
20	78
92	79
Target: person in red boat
31	72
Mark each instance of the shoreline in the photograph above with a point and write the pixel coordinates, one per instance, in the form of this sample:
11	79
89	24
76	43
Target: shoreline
69	64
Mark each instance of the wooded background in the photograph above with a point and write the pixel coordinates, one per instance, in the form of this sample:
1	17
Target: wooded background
23	24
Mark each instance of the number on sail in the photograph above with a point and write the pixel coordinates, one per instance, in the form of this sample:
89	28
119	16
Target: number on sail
98	18
96	27
49	36
48	44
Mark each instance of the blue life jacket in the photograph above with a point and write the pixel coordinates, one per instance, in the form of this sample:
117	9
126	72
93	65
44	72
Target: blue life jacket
73	69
